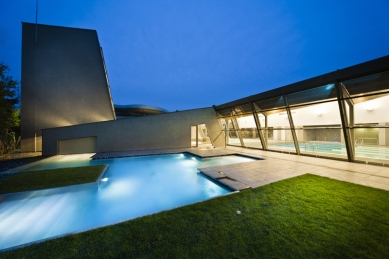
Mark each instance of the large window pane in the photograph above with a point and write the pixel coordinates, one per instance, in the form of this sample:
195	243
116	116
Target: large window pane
369	84
249	132
232	133
317	94
371	144
371	109
276	129
271	103
316	115
242	109
371	127
280	139
321	141
318	129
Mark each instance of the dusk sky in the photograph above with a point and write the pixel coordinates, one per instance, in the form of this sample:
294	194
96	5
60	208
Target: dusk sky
182	55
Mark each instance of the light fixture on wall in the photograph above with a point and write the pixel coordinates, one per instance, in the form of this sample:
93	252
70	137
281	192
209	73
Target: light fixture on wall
372	104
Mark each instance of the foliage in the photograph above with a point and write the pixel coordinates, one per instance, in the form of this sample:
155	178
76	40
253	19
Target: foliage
304	217
9	114
8	142
35	180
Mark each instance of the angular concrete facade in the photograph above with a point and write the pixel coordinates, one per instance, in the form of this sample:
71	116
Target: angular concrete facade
64	81
169	130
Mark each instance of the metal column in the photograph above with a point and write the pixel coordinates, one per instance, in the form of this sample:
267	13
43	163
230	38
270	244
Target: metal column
292	130
345	125
258	124
236	127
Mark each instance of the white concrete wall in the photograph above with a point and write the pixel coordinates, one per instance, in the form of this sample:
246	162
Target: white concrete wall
373	111
170	130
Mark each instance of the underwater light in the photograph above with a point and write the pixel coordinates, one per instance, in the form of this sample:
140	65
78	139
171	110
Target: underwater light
104	179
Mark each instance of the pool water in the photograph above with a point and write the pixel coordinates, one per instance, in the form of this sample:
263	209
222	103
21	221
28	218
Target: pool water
135	187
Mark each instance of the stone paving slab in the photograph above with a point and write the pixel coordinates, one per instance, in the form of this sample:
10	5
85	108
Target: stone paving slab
277	166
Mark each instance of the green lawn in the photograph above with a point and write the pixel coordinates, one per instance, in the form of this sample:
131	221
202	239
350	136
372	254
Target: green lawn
303	217
35	180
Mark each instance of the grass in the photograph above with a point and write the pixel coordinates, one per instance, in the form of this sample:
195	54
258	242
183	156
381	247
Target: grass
35	180
303	217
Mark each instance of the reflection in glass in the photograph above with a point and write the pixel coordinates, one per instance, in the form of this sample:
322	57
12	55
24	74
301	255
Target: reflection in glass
327	92
369	84
271	103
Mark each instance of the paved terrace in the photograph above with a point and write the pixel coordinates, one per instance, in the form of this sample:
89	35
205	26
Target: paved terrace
274	167
279	166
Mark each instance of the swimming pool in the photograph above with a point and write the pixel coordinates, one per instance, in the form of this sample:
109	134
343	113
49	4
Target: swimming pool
135	186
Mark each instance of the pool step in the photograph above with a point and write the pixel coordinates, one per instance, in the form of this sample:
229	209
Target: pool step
219	176
234	184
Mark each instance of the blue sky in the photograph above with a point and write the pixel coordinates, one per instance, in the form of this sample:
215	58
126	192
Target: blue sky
184	54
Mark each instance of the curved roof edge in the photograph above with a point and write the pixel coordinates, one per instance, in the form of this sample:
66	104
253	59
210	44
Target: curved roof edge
137	110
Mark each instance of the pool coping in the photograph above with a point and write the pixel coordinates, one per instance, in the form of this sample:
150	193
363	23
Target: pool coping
55	190
153	152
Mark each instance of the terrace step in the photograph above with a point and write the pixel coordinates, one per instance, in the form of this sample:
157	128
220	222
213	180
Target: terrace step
224	179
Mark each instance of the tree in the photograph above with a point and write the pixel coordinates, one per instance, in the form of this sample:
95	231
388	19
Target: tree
9	113
8	100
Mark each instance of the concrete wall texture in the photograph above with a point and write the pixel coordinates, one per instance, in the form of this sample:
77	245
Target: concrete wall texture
170	130
64	81
77	146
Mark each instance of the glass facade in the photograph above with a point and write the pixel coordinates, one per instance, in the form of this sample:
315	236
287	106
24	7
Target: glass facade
232	132
249	131
369	98
346	120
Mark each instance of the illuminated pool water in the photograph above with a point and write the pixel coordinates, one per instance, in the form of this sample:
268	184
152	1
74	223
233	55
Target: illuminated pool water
135	187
